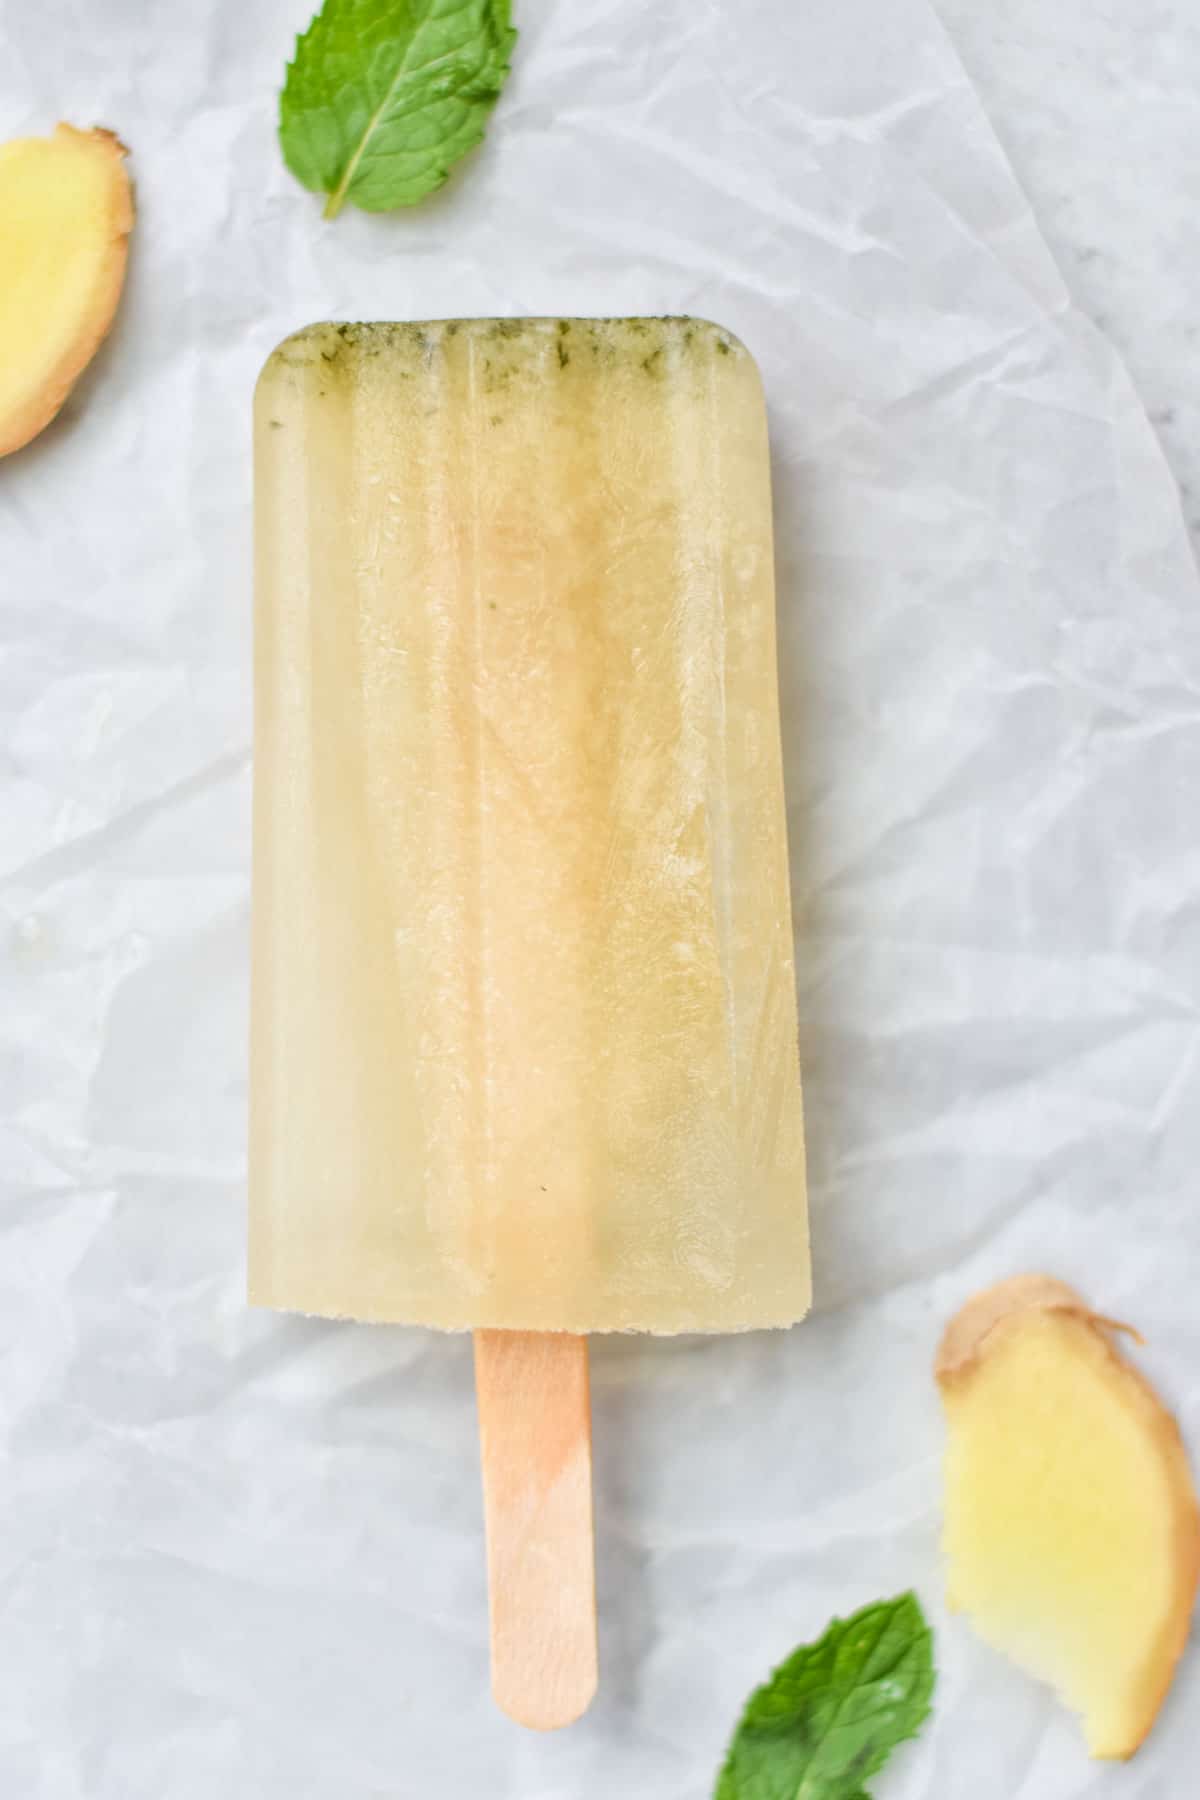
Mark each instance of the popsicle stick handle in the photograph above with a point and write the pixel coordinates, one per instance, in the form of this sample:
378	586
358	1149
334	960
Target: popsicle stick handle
535	1440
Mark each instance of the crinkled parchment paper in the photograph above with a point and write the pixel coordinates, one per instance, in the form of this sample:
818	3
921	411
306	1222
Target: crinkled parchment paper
240	1554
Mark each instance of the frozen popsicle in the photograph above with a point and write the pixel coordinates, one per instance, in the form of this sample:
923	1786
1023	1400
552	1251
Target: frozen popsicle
524	1032
524	1035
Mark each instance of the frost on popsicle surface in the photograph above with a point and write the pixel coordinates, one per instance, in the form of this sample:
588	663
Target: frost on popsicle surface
1072	1528
66	212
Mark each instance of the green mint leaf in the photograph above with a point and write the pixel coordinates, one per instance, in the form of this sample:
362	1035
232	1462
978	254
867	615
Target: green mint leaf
831	1715
384	96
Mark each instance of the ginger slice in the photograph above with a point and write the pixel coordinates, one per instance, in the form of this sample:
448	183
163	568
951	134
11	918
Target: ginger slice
1072	1528
66	212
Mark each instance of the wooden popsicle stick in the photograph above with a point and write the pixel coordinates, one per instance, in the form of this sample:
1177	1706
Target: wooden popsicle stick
535	1441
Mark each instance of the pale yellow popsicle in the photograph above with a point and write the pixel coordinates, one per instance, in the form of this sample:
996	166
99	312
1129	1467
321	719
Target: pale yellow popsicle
524	1046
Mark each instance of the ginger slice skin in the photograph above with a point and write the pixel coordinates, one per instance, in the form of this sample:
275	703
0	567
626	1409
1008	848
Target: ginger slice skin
1072	1526
66	211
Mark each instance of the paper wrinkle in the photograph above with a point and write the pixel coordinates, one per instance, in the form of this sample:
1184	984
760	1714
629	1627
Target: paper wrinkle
242	1553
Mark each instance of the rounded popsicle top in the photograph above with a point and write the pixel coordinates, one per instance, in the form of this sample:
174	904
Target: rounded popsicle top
651	347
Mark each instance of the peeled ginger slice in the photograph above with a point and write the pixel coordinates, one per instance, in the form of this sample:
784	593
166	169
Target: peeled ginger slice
66	212
1072	1529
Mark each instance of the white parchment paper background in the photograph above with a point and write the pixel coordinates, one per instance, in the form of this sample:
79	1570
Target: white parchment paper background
239	1554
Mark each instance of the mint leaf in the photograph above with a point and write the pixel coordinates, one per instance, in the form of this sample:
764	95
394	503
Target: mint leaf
831	1715
385	96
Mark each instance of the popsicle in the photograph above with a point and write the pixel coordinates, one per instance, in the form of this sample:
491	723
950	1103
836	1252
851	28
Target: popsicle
524	1039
